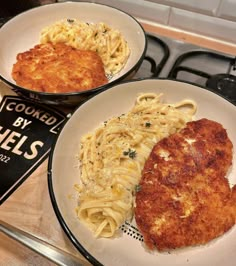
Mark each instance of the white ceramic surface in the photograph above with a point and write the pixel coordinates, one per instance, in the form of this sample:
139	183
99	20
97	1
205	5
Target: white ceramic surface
23	31
127	250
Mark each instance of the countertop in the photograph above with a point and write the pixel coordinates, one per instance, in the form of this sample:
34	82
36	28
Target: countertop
29	208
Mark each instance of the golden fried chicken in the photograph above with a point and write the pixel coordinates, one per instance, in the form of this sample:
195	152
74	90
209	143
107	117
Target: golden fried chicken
185	198
58	68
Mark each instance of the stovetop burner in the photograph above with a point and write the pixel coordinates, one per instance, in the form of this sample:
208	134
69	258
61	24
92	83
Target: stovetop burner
225	84
168	58
202	68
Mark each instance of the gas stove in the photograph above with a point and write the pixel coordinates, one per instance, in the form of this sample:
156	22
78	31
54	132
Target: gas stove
174	59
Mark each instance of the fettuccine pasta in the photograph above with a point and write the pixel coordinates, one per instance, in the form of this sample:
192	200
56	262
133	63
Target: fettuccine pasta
107	42
113	155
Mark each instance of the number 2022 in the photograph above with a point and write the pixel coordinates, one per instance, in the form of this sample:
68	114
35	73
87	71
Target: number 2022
4	158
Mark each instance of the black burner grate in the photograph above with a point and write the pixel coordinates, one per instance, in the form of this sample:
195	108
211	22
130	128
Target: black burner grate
205	68
156	57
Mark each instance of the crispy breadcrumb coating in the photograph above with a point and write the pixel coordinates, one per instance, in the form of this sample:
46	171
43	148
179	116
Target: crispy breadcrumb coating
58	68
185	198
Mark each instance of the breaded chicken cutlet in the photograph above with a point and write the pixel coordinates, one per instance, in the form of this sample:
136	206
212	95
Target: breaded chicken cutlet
185	198
58	68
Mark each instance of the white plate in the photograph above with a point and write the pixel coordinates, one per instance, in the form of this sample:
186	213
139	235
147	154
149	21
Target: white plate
63	174
23	31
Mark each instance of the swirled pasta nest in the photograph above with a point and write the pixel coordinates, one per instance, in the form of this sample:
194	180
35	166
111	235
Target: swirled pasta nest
109	43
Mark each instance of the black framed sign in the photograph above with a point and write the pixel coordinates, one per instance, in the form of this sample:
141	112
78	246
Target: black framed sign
27	132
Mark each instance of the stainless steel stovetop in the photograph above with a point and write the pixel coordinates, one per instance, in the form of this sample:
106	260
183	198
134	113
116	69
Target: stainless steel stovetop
174	59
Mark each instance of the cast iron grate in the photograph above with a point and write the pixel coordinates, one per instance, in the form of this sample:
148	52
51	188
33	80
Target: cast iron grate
206	73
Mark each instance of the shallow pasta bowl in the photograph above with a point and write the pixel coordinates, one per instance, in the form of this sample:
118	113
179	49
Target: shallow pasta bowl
23	32
64	174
